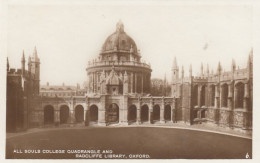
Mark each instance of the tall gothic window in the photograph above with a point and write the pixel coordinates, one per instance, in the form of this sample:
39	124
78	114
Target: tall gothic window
224	95
239	88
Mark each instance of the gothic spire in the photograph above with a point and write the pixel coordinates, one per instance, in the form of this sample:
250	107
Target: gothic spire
233	67
35	53
175	66
23	58
201	69
7	66
207	69
219	67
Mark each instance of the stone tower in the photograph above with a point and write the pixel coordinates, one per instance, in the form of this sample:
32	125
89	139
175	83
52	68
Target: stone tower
175	78
35	69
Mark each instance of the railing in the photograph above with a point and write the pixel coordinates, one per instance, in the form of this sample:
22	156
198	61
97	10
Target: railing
117	63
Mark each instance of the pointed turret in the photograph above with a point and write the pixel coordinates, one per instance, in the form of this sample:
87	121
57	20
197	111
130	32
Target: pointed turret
250	59
7	66
175	66
29	63
175	71
182	71
207	69
190	70
35	55
219	68
233	66
201	69
250	64
23	63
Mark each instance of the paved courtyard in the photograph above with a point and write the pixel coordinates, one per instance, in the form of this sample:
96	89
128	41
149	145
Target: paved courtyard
152	143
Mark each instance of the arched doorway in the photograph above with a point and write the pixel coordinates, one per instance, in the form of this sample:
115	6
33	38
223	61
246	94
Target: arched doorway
144	113
48	114
93	113
239	99
167	113
113	113
64	114
132	113
79	113
156	113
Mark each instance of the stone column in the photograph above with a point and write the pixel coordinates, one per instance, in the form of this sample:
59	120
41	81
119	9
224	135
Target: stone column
230	106
136	82
142	91
102	111
150	116
132	82
86	113
216	111
123	111
246	95
162	120
199	96
138	112
235	97
56	115
173	110
216	96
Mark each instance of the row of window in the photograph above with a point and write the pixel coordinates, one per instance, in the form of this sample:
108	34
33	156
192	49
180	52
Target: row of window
61	94
238	94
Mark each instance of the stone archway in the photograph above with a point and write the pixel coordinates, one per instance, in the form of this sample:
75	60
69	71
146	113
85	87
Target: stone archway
93	113
132	112
167	113
156	113
64	114
48	114
79	113
144	113
113	113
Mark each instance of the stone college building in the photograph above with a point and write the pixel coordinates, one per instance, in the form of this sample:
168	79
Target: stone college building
118	93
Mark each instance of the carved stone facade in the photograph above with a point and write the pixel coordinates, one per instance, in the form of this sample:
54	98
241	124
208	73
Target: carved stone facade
221	98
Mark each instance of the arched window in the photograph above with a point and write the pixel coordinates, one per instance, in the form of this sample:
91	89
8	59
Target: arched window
212	95
202	96
195	95
239	99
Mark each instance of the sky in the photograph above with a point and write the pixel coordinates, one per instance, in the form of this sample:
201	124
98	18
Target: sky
68	36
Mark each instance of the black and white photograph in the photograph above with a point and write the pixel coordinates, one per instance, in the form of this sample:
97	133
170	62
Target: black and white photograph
129	80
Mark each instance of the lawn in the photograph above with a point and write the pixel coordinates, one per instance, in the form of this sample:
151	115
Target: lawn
154	143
